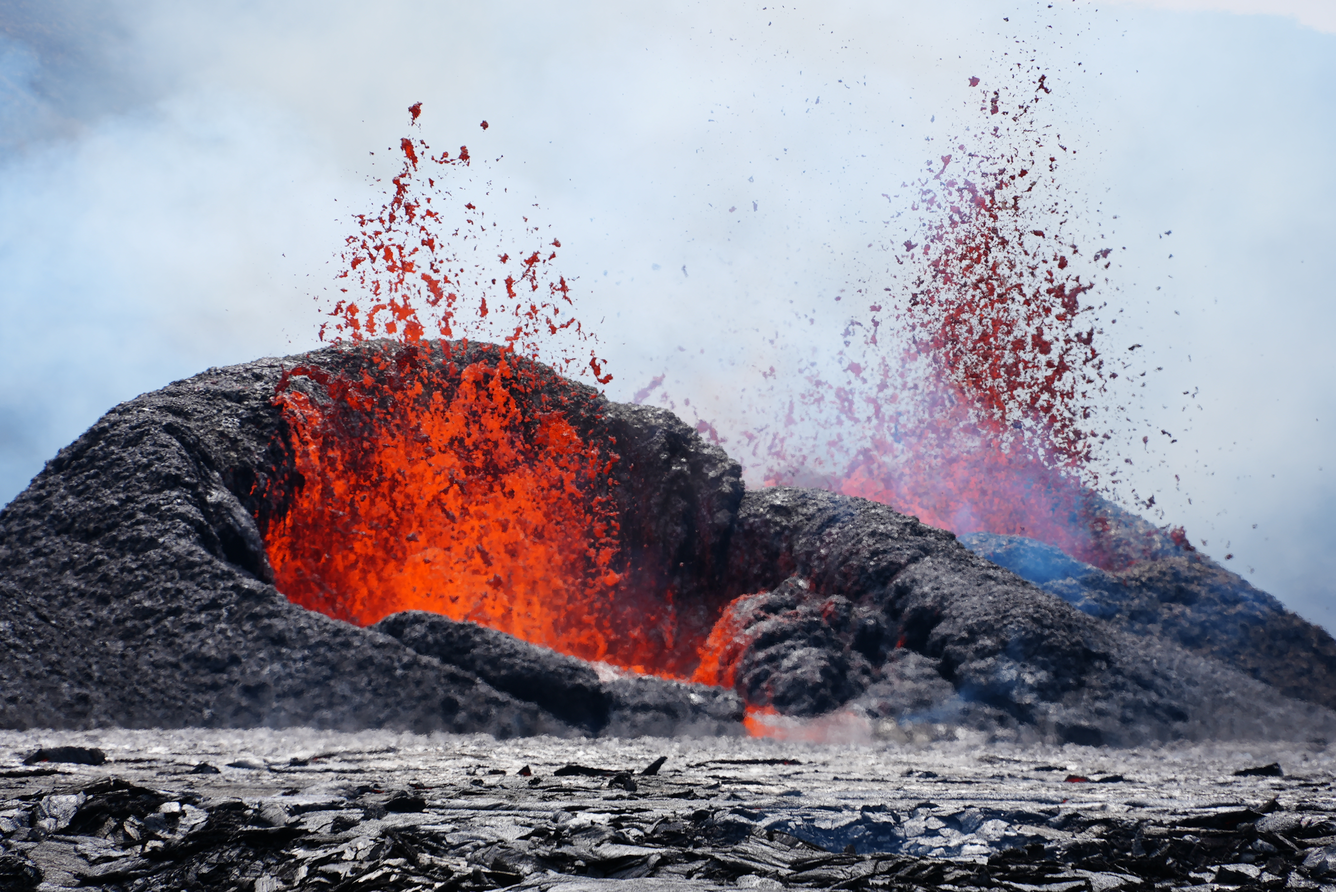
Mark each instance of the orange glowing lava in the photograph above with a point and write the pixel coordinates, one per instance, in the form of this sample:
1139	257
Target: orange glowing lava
446	497
759	721
452	479
723	648
431	475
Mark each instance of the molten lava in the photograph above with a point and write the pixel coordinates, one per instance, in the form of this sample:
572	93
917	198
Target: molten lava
449	477
976	408
452	478
445	496
724	648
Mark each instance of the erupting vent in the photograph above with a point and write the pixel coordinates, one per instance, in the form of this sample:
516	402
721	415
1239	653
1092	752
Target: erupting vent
443	498
434	477
475	483
461	488
978	401
419	475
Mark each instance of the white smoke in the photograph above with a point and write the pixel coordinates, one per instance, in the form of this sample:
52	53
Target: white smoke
175	180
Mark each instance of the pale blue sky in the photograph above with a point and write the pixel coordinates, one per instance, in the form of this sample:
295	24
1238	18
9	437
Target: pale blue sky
174	179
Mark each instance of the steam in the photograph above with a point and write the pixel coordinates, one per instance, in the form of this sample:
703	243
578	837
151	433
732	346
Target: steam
175	183
1315	14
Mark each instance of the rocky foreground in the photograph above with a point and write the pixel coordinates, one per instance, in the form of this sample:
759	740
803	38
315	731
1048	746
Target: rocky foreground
309	810
135	591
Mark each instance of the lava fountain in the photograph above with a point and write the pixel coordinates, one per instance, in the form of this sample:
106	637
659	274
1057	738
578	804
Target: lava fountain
464	494
973	393
474	482
438	475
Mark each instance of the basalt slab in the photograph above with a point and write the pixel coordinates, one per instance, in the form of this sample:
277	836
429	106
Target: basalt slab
136	590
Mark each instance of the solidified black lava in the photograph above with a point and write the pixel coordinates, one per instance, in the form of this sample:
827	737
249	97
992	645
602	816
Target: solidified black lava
135	591
565	686
1190	600
96	835
864	605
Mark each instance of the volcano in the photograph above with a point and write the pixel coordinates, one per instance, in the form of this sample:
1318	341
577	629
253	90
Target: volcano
447	536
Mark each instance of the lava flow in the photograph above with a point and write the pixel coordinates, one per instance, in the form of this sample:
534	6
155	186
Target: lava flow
462	495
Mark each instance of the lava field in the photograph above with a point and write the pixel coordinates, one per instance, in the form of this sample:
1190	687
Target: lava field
269	810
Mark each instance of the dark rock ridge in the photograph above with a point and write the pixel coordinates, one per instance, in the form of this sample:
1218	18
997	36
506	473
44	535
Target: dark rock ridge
135	591
567	687
862	605
1189	600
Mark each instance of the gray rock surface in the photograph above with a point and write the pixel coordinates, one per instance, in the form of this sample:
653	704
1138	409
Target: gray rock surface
388	811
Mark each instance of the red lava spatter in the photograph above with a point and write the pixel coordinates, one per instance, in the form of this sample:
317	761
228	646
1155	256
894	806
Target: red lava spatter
407	265
972	398
431	482
435	481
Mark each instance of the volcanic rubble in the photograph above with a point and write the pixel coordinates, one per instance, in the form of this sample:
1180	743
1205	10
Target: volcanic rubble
302	809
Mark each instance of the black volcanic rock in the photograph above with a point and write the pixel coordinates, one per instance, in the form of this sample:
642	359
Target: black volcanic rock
1190	601
571	687
380	811
567	687
78	755
858	598
678	497
135	591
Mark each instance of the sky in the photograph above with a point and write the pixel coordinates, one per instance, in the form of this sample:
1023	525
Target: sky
177	180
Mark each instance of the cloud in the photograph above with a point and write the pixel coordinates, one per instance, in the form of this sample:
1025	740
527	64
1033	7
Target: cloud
158	160
65	64
1320	15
